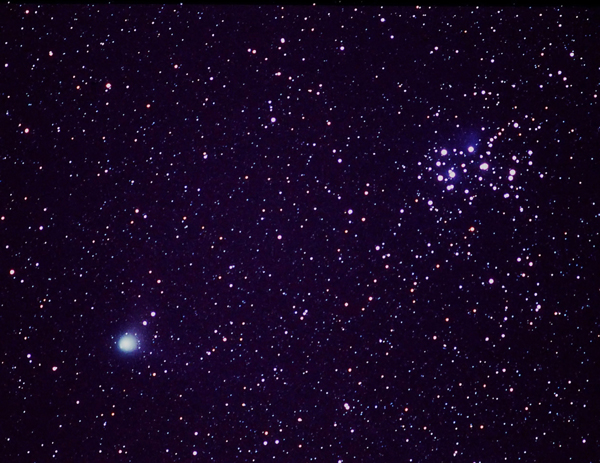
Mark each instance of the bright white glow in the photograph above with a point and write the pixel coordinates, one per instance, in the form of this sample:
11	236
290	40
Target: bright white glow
350	211
128	343
484	166
444	152
450	187
516	125
513	172
440	178
273	119
491	281
470	149
451	174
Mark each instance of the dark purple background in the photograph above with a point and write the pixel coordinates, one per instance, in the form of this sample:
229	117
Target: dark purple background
427	324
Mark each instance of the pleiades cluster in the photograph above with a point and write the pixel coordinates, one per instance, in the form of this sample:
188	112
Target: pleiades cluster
297	233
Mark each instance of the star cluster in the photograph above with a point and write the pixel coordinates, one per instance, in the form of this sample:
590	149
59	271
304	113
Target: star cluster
299	233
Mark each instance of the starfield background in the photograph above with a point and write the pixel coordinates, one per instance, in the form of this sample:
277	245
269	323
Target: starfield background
327	234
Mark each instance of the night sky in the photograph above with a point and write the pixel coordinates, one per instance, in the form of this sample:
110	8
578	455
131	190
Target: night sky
297	234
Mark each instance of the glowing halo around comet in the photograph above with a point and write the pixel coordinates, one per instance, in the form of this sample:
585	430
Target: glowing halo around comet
128	343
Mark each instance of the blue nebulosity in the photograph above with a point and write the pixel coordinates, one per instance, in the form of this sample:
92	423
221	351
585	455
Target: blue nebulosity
335	234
